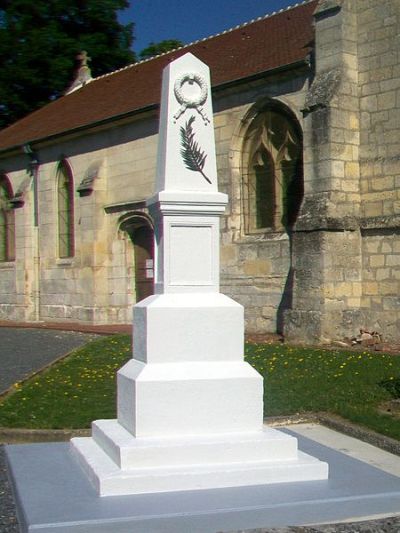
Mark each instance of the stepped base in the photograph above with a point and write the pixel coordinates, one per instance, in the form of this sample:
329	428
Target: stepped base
53	494
117	463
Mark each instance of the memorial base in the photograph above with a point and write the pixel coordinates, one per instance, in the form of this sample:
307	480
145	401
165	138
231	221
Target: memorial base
53	495
118	463
190	409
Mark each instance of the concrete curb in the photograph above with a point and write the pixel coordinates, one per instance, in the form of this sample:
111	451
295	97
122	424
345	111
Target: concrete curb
29	436
98	329
342	426
358	432
19	436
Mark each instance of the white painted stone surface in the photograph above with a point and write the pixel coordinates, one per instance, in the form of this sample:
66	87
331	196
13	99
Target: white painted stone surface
194	398
221	321
185	83
187	252
190	410
218	448
110	480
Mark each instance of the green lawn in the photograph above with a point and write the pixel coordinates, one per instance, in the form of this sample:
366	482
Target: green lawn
82	387
348	383
71	393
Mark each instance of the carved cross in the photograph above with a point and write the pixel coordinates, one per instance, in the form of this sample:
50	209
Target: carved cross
83	58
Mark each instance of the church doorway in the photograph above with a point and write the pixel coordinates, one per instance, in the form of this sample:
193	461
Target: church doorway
141	235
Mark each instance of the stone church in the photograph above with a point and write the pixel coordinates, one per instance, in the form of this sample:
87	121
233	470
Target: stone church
307	125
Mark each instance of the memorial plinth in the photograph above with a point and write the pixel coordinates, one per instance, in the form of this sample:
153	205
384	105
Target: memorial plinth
190	410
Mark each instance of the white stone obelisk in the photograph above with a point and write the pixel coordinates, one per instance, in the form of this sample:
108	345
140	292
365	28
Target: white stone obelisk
190	410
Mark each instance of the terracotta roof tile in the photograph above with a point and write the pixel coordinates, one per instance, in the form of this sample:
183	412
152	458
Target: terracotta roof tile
261	45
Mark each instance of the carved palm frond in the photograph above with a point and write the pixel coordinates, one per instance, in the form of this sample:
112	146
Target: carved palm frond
192	155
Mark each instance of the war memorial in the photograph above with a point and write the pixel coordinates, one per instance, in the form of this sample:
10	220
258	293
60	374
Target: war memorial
200	459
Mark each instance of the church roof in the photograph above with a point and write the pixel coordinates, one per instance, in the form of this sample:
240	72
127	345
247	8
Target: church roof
278	40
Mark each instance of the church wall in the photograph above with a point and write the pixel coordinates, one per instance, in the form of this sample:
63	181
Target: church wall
327	240
346	240
131	162
95	285
8	292
381	288
255	267
379	80
16	277
340	268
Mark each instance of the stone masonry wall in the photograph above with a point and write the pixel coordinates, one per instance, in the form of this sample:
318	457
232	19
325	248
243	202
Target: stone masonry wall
94	286
255	268
17	286
379	80
97	284
352	139
327	240
381	288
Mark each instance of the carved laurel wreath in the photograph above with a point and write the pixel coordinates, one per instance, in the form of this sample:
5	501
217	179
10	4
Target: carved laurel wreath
185	100
191	102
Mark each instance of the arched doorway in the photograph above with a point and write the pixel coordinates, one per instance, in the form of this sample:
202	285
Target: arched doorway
141	235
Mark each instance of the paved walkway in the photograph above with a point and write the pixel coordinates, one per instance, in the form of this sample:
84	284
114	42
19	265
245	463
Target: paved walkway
22	352
27	350
8	519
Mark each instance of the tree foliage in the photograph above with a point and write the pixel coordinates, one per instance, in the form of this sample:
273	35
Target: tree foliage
39	42
155	49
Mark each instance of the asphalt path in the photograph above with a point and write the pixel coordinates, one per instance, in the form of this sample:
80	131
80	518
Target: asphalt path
8	517
24	351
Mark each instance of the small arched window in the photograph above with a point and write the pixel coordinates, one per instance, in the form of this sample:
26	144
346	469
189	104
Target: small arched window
65	207
273	171
7	222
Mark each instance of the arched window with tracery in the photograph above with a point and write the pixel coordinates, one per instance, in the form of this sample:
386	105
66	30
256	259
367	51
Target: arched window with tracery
7	222
272	171
65	208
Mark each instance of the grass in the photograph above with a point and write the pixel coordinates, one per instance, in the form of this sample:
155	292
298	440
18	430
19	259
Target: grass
82	387
348	383
72	392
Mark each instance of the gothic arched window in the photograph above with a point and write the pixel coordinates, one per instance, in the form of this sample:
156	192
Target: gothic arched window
65	207
7	222
273	171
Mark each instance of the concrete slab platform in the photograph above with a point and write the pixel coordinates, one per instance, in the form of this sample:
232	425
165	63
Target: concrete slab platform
53	495
368	453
